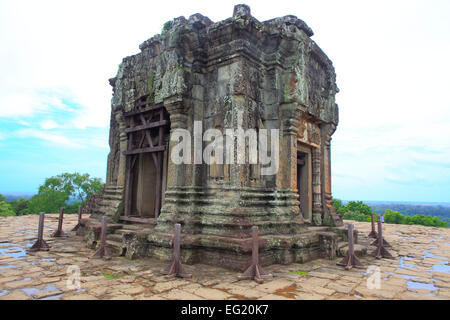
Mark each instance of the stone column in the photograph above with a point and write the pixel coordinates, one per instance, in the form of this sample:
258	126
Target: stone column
316	186
290	121
178	120
330	216
123	147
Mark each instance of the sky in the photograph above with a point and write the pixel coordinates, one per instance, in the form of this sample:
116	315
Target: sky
391	61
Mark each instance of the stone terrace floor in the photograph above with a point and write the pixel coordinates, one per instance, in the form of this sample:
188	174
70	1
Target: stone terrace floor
420	270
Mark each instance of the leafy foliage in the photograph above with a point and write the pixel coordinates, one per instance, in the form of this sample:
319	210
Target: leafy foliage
359	211
48	200
439	211
6	209
56	192
167	26
19	206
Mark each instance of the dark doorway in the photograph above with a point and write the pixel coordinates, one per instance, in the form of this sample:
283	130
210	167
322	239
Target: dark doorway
148	129
304	183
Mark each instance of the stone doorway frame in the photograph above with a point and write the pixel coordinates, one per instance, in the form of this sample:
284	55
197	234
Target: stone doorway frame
304	186
146	123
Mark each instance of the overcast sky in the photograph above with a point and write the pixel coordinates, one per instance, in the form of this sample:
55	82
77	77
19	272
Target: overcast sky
391	60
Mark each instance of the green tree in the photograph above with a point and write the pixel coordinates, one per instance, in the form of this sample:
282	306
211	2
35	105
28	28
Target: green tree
19	206
48	200
360	207
2	198
337	203
78	186
6	209
394	217
57	190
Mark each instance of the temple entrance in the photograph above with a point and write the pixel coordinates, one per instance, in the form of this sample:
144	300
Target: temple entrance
146	172
144	177
304	183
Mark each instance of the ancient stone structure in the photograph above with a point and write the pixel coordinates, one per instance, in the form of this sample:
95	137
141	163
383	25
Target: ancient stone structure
236	73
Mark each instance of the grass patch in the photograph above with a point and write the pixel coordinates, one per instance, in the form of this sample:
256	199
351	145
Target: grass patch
111	276
300	272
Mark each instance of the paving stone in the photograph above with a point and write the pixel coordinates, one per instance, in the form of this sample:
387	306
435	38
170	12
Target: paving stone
324	280
339	287
308	296
165	286
79	296
178	294
15	295
249	293
45	294
274	285
136	289
323	275
274	297
121	297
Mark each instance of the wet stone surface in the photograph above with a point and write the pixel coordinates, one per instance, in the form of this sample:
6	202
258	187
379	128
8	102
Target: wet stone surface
420	270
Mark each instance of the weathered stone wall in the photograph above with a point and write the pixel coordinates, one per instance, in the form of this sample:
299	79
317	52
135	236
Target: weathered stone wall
236	73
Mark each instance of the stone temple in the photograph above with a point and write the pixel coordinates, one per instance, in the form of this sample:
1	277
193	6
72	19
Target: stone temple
236	73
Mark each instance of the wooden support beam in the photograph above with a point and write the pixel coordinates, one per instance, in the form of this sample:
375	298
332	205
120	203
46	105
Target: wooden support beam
145	150
147	126
144	110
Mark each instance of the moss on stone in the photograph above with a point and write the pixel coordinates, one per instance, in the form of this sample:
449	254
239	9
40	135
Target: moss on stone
151	89
300	272
167	26
119	211
111	276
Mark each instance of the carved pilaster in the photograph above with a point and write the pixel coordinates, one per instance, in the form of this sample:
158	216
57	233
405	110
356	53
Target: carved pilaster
330	215
316	186
123	146
290	116
178	120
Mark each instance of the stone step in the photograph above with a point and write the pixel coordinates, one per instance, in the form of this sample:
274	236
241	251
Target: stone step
112	196
113	189
108	202
116	247
115	237
131	227
141	231
359	249
317	228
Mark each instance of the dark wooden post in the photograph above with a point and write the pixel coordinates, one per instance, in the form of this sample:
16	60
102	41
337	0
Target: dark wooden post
80	212
351	260
373	233
385	243
381	251
176	269
103	251
40	244
59	232
255	271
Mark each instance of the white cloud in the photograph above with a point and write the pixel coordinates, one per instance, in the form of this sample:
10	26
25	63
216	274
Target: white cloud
48	124
391	60
57	138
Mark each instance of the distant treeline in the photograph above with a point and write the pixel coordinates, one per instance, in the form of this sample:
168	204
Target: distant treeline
438	216
441	212
68	190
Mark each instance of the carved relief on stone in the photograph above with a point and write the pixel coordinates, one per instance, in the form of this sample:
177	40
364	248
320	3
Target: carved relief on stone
313	133
302	130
